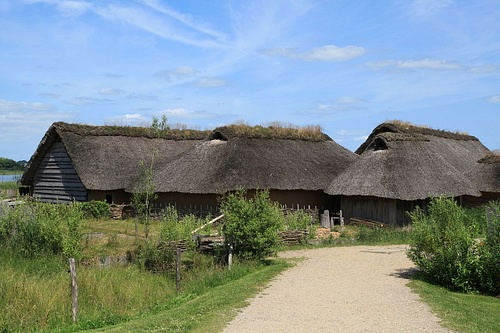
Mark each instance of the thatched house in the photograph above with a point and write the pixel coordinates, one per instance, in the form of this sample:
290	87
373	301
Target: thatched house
295	165
485	175
402	166
190	168
81	162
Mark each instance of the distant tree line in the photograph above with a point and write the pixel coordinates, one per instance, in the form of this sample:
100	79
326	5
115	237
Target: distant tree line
8	164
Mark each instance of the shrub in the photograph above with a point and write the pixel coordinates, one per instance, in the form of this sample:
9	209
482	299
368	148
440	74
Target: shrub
490	252
442	246
252	225
95	209
34	229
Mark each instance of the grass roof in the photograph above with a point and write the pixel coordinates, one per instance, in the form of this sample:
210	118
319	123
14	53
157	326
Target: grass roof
409	128
129	131
273	132
490	158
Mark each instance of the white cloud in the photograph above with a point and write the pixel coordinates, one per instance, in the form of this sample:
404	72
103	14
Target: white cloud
31	119
428	8
159	25
111	91
324	53
9	106
67	7
494	99
210	82
333	53
422	64
87	100
185	113
483	69
428	64
190	22
128	119
182	72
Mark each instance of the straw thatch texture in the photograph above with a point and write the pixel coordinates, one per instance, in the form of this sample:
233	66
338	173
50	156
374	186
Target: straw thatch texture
218	166
107	159
486	174
403	169
460	150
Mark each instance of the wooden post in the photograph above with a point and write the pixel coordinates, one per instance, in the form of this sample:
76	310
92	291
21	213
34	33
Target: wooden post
230	256
74	289
178	269
341	219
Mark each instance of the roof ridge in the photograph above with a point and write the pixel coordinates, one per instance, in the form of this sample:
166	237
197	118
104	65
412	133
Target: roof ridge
308	133
131	131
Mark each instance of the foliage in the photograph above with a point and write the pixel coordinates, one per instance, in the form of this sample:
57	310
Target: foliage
365	235
8	164
144	194
252	225
443	248
95	209
35	229
159	125
490	252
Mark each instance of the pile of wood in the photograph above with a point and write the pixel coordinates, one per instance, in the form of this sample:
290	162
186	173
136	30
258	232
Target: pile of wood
367	223
207	243
120	212
294	237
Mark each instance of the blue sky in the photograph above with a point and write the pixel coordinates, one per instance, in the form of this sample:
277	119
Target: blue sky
344	65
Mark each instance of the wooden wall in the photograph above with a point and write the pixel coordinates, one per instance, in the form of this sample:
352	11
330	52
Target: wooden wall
56	179
384	210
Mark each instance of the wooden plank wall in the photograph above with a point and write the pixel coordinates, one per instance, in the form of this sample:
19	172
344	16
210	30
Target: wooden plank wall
56	179
389	211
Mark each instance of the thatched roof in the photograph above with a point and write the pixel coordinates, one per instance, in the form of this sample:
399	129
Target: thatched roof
108	157
458	149
401	166
486	174
239	157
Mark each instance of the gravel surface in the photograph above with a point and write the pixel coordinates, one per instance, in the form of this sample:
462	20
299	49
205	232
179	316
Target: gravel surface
343	289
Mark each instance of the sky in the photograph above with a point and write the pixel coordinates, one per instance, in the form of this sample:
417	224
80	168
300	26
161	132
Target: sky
344	65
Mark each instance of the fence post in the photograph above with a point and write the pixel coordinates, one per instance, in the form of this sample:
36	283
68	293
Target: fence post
74	289
341	219
178	269
230	256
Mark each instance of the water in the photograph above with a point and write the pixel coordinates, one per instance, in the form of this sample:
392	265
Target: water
9	178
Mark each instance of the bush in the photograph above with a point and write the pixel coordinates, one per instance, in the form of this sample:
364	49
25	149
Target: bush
444	249
95	209
252	225
490	252
35	229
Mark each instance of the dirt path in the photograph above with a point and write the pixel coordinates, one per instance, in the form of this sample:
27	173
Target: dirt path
345	289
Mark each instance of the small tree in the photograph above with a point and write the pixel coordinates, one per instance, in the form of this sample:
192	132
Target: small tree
252	225
143	196
159	124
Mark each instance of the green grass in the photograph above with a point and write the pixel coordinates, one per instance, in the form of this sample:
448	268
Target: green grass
466	313
35	294
207	310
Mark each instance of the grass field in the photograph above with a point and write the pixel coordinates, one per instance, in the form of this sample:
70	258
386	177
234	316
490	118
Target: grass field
466	313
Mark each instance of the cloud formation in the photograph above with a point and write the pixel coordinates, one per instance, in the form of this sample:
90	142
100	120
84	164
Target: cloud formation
324	53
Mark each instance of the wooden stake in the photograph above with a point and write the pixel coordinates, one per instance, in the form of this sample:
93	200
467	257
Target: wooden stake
74	289
178	269
230	256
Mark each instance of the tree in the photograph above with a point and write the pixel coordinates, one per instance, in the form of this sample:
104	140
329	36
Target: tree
252	225
144	194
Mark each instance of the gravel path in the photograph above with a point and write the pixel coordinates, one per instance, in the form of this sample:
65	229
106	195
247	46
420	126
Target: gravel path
344	289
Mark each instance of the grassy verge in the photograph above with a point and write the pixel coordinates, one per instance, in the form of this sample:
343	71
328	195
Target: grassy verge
35	295
206	310
466	313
